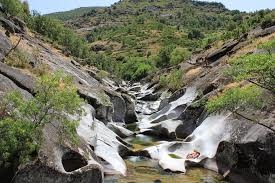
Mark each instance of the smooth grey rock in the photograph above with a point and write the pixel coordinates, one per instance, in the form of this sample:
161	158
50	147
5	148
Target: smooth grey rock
7	85
5	46
100	101
119	106
130	116
22	80
119	130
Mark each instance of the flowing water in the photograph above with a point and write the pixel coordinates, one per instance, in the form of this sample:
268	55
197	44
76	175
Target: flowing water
144	170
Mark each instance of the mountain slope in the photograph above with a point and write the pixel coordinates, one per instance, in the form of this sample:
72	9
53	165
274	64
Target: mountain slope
142	30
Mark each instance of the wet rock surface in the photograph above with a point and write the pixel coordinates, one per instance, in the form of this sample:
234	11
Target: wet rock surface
241	150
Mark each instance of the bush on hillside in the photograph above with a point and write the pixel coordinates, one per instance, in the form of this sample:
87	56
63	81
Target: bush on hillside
136	68
23	120
173	81
179	55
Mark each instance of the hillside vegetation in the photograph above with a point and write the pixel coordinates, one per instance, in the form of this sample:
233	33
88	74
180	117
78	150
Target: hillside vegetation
162	32
131	39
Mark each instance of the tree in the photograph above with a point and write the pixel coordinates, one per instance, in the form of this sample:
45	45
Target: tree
195	34
179	55
21	125
164	56
16	7
235	99
135	68
258	69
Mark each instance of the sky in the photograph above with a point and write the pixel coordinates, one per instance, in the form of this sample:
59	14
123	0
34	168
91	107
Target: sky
50	6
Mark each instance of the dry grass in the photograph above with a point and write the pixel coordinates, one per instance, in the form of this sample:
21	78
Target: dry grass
252	46
193	72
18	59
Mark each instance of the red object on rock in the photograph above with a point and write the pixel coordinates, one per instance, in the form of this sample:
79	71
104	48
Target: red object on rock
193	155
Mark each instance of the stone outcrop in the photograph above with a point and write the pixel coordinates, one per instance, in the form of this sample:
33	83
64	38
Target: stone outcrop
5	46
120	130
130	115
119	106
100	101
24	81
61	162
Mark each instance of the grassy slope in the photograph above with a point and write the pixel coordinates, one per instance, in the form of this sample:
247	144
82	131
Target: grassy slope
140	28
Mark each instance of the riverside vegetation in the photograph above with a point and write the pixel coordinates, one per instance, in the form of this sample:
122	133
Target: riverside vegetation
131	40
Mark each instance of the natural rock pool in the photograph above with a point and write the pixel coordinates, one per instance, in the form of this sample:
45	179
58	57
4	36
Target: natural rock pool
145	170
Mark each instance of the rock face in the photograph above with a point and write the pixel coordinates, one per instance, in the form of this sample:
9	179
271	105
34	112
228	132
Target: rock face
248	162
119	130
7	85
221	52
61	163
100	150
106	144
226	144
100	101
38	173
119	106
24	81
130	115
5	45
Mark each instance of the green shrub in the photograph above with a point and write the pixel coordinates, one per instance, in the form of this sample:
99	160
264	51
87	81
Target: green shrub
164	56
179	55
259	69
173	80
16	7
235	99
18	59
135	68
195	34
55	31
21	127
269	46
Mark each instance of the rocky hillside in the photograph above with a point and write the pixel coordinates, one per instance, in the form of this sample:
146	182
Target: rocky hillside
142	31
216	106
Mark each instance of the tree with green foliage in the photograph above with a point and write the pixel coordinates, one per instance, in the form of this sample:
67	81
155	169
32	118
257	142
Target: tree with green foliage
15	7
173	81
164	56
179	55
22	121
235	99
135	68
57	32
258	69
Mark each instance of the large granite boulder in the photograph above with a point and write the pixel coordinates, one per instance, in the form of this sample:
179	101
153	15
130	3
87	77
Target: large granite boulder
61	161
119	106
237	148
7	85
130	116
120	130
5	46
100	101
106	144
